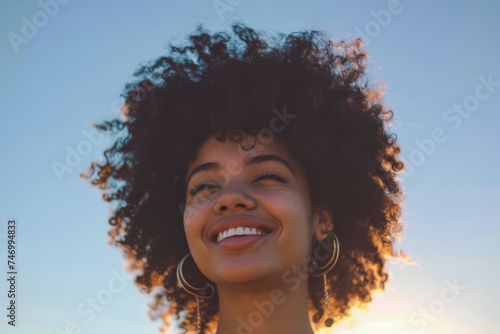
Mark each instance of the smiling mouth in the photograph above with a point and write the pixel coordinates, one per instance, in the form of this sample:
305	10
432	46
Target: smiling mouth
239	232
241	241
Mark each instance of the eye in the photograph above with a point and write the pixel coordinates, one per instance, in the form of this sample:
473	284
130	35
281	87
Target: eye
200	187
271	176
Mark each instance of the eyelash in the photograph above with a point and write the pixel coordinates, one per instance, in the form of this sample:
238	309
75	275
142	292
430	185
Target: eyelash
201	186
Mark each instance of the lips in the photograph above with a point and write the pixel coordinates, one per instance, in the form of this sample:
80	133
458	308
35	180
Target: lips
239	221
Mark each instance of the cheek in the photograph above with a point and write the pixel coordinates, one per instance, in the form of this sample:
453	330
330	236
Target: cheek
291	209
293	243
197	208
193	221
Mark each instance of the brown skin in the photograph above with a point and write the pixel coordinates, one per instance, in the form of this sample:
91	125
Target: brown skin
248	276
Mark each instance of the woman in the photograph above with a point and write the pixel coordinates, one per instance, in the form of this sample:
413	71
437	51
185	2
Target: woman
256	184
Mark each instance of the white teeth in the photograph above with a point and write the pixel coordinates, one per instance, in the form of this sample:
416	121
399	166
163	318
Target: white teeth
238	231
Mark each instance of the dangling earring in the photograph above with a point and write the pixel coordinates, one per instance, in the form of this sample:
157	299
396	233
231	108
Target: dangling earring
325	269
193	290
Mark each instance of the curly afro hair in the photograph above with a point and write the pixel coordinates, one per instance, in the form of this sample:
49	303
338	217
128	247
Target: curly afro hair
219	84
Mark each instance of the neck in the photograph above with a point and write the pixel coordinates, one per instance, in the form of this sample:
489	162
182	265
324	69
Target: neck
278	309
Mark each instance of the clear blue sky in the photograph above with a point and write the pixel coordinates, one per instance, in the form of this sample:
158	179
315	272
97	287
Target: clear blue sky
434	56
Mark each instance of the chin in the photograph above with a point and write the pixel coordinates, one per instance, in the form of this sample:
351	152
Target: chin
240	271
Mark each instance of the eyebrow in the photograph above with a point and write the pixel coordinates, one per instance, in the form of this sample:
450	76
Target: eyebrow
250	161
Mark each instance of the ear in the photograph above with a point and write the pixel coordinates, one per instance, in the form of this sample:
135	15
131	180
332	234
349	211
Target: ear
322	220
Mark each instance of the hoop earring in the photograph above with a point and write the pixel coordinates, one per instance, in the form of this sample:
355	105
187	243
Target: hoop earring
193	290
325	269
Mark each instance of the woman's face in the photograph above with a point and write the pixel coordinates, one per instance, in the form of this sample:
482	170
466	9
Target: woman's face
260	190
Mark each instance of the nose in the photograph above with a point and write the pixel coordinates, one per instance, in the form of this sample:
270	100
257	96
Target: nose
234	198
